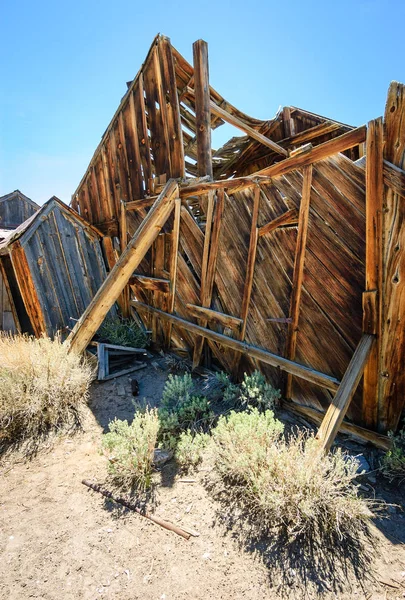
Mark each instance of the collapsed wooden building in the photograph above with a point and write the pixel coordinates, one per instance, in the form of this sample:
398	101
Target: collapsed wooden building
284	250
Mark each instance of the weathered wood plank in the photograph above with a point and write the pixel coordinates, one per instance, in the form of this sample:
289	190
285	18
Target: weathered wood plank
338	408
288	218
258	353
202	107
173	260
360	433
206	292
250	269
156	284
28	289
209	314
374	267
392	379
298	276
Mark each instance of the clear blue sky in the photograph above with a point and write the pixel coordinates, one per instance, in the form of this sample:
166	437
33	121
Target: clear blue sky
64	67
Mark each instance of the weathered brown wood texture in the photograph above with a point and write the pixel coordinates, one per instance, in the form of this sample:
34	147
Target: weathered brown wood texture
272	254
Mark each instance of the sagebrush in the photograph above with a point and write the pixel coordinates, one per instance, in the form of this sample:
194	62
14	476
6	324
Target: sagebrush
393	462
288	485
42	387
182	409
190	448
131	450
252	391
122	332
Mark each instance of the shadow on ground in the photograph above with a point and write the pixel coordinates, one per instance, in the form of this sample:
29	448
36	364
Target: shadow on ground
320	563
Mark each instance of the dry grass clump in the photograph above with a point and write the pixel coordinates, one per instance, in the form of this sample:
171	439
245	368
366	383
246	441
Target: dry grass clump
393	462
131	450
288	485
42	387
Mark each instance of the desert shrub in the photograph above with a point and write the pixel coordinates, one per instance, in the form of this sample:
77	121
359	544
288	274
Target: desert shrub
42	387
131	449
181	409
290	485
122	332
393	462
253	391
190	448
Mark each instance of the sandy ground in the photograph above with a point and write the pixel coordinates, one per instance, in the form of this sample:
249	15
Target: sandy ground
59	540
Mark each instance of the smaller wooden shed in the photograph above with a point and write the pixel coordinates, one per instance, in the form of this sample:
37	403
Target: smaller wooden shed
52	266
15	208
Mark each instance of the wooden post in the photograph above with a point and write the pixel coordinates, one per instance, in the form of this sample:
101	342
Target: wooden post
372	295
250	270
202	108
392	349
209	267
174	252
298	277
125	296
112	287
338	407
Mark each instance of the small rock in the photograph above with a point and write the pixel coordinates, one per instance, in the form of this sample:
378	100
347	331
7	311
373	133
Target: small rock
121	390
161	457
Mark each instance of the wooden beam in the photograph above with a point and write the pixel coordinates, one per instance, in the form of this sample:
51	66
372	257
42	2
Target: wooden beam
141	203
173	260
299	261
111	257
217	317
340	403
288	218
202	108
321	379
355	431
207	279
288	122
27	288
392	349
239	183
320	152
232	120
394	177
125	296
156	284
374	266
112	287
309	134
250	270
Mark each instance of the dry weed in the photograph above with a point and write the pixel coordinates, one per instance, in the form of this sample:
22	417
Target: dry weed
42	387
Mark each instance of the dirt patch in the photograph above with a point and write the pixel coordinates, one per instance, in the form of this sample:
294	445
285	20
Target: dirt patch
60	540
